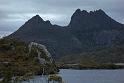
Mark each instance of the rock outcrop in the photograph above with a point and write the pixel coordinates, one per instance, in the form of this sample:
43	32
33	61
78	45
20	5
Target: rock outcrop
41	49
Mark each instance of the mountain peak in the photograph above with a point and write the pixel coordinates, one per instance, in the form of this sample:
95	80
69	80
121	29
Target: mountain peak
36	18
81	17
78	14
100	11
37	15
48	23
78	11
36	22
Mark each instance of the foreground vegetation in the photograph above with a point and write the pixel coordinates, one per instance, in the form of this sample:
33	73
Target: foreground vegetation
15	62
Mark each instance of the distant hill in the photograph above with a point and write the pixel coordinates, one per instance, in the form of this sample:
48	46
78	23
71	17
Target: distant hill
86	31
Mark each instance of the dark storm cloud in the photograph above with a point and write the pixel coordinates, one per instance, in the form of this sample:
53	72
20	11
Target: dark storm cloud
13	13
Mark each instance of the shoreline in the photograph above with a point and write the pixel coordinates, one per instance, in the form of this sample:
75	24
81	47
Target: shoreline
90	67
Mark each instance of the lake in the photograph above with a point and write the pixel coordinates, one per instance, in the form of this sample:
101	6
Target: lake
86	76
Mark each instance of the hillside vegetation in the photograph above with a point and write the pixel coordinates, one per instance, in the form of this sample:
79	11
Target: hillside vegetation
99	58
15	62
114	54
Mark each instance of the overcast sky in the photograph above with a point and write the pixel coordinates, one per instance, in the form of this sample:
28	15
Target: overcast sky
14	13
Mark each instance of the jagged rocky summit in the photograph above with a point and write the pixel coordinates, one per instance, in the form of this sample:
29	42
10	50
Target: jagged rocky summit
86	30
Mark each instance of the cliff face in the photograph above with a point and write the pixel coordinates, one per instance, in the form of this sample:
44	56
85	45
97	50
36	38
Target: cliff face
86	30
95	28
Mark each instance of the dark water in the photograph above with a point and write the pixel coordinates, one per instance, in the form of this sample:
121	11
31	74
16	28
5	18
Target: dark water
86	76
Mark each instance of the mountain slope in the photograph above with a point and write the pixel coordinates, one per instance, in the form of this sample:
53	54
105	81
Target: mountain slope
86	31
57	39
95	28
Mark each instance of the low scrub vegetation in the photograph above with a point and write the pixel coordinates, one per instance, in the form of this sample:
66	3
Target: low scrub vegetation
15	62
